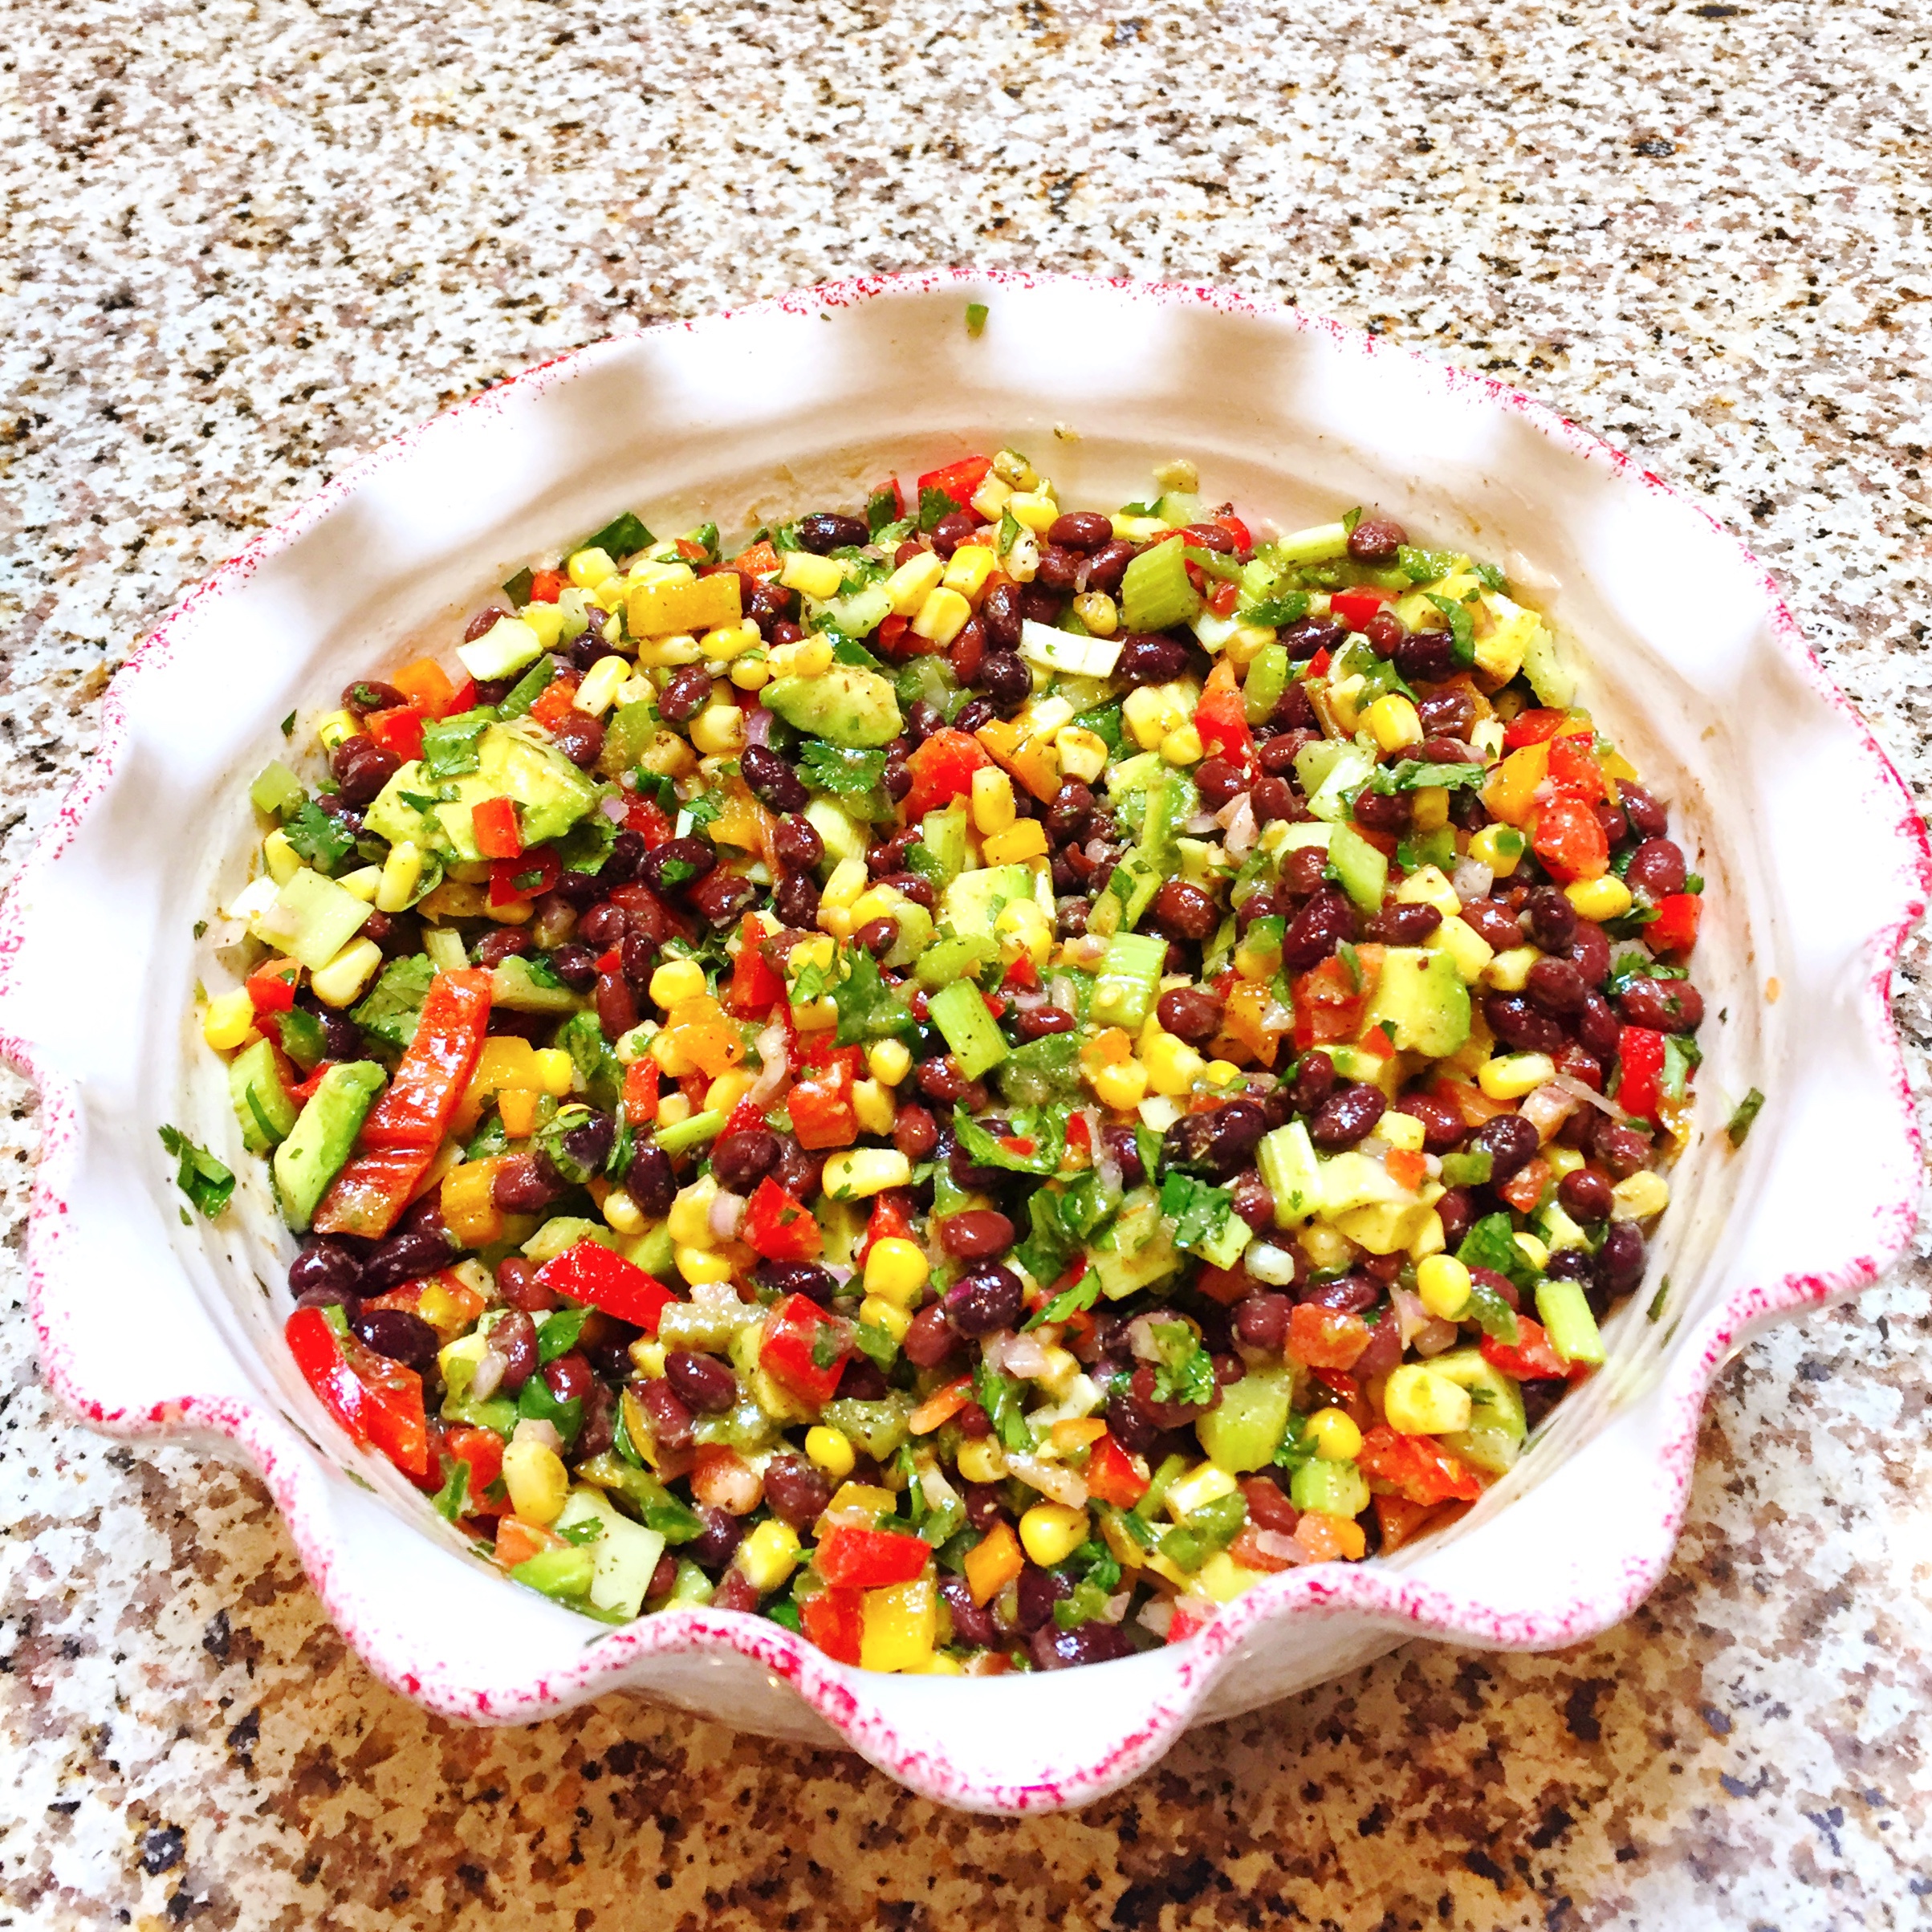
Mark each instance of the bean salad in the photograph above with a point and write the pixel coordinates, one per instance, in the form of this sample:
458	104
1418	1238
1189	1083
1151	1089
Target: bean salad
971	1077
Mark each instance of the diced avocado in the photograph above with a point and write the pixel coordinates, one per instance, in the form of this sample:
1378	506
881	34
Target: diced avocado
1136	1249
1361	870
509	646
1503	653
1352	1180
860	612
1289	1166
511	985
915	925
261	1103
1422	1000
845	705
623	1555
958	957
311	918
1550	677
974	899
323	1137
842	835
1334	1489
1383	1227
1496	1399
653	1251
1371	1069
565	1574
1245	1429
551	795
1132	774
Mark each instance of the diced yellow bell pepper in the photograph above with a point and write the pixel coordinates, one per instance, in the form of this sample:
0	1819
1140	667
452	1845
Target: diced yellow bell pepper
1509	792
469	1210
900	1627
657	610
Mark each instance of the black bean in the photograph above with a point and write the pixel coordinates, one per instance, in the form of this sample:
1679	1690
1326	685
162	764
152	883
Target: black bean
1347	1116
1000	615
825	530
1148	659
1584	1194
1385	811
1450	713
741	1160
1218	1141
1656	868
978	1234
985	1301
1107	565
687	693
1376	540
576	966
1314	1081
717	1543
1303	870
402	1336
616	1005
973	1625
1620	1260
362	768
796	901
1400	922
514	1336
930	1339
499	943
952	530
704	1385
1325	922
1458	1209
1425	657
1549	919
1648	817
1520	1025
797	1172
589	1144
1082	530
1254	1200
324	1263
1059	570
1597	1025
772	779
405	1256
806	1278
1510	1142
669	1420
1004	678
1191	1013
1556	986
367	694
1184	911
915	1133
650	1182
797	1493
676	864
579	736
1384	630
1262	1320
1590	953
1665	1006
1093	1642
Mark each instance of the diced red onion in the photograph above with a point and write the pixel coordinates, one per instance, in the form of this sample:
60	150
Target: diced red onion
529	1430
613	809
934	1487
489	1375
1472	880
1053	1480
1435	1337
775	1058
1020	1355
1156	1614
727	1211
1583	1090
757	725
1267	1263
1283	1549
1064	992
1140	1338
1548	1109
1201	824
1242	830
840	1271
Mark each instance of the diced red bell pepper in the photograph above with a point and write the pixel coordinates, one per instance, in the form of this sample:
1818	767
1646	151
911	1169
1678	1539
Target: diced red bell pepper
691	550
640	1093
1673	930
756	986
1356	607
852	1558
547	586
892	634
1321	1338
557	700
589	1272
1573	768
1112	1476
415	1109
960	481
1223	599
942	770
528	877
463	699
379	1401
1417	1467
804	1349
1532	728
482	1449
835	1620
1532	1359
497	835
1244	541
1080	1135
400	731
1220	719
649	819
369	1194
823	1115
759	560
1640	1053
273	990
1570	842
1319	664
888	1222
312	1342
778	1225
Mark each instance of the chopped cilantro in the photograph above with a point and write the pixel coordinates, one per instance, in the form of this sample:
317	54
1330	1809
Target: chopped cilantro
395	1003
288	726
323	841
452	1498
1739	1125
1045	1128
869	1008
199	1176
1351	518
1462	629
449	744
1412	774
1185	1371
933	504
1198	1211
881	507
831	768
1000	1395
1681	1055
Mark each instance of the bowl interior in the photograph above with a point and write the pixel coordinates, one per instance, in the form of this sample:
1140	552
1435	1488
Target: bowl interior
1683	661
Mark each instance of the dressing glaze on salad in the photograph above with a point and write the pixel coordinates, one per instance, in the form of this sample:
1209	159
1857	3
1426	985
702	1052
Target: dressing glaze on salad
974	1078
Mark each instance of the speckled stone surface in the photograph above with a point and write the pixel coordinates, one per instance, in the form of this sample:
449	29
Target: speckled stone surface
243	243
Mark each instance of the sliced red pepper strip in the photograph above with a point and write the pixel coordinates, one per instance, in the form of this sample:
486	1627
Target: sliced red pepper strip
590	1272
369	1196
1112	1476
1417	1467
852	1558
415	1109
312	1342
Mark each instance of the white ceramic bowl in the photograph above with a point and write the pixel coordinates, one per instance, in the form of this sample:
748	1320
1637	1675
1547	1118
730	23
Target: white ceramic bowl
1816	860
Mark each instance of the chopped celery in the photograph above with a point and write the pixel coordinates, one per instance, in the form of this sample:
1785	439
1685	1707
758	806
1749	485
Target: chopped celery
1243	1431
313	918
1346	773
1157	590
942	837
693	1132
1336	1489
567	1572
1267	680
277	791
445	946
961	1015
1357	868
1129	975
1289	1166
958	957
1320	544
1566	1317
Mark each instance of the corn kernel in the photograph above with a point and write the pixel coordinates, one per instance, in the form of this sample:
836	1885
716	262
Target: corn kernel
228	1019
343	978
967	573
991	497
674	1109
283	861
599	690
1083	754
1507	971
589	568
1419	1402
1051	1532
1402	1130
820	577
718	730
729	641
914	581
401	873
1098	611
831	1451
861	1172
1326	1248
1120	1087
1333	1435
898	1270
728	1089
809	657
769	1554
751	673
1443	1283
815	1015
700	1265
887	1315
362	883
1499	848
1150	712
689	1220
335	727
537	1480
1222	1073
1027	840
848	879
668	755
621	1213
555	1072
992	799
678	980
1205	1482
1599	899
680	648
1535	1252
1392	723
1023	933
1173	1066
888	1061
1563	1160
874	1108
942	616
1429	808
982	1460
1639	1196
1183	747
1467	947
1514	1075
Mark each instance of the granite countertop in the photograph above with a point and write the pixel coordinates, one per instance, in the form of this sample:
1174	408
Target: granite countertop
244	242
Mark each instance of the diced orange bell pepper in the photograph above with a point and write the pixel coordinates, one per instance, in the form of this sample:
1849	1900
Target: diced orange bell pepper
495	822
469	1211
699	1029
517	1541
1320	1338
993	1563
941	1406
426	685
1509	791
1328	1538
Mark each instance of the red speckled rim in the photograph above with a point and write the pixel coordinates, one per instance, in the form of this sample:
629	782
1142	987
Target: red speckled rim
295	1475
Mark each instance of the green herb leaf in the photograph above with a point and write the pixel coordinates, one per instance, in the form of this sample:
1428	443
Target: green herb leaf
199	1176
449	744
452	1498
1288	608
323	841
1681	1054
872	1342
1351	518
1198	1211
1185	1371
1491	1244
933	504
587	1531
976	318
1295	1448
620	538
1462	629
288	726
1412	774
1739	1125
832	768
1046	1127
394	1004
1424	566
1000	1395
869	1008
